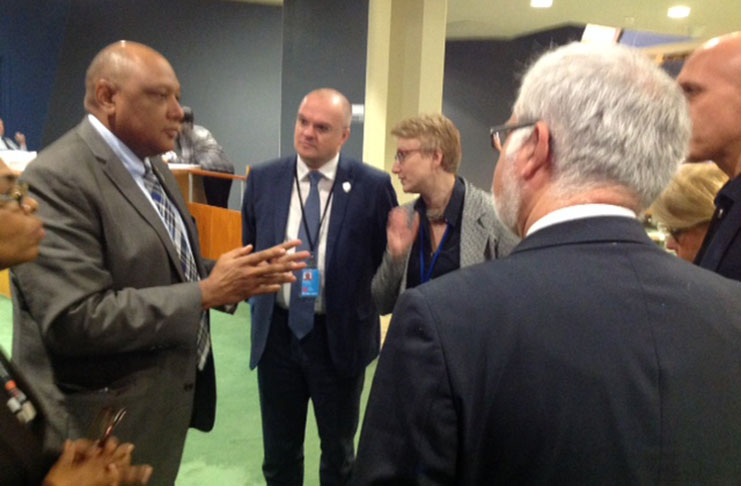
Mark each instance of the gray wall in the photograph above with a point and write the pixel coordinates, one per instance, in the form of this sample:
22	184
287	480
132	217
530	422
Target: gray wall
227	56
323	50
481	80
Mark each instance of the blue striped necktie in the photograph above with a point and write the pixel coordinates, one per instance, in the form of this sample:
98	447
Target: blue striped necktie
176	229
301	312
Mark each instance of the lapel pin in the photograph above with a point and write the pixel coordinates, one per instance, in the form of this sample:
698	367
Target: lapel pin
346	186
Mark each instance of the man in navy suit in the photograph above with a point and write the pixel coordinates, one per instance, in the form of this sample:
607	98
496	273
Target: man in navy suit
589	355
315	338
711	80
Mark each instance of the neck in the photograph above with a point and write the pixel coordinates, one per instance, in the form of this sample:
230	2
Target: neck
547	203
436	198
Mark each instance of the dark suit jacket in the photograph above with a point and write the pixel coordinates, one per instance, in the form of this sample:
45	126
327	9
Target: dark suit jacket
104	315
721	249
22	461
589	356
355	244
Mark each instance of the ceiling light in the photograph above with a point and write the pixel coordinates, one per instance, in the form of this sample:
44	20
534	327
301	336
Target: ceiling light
541	3
678	12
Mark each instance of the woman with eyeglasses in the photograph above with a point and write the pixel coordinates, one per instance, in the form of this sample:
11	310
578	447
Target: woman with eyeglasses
23	461
452	224
686	206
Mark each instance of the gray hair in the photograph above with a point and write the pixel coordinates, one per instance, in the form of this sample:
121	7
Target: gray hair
614	118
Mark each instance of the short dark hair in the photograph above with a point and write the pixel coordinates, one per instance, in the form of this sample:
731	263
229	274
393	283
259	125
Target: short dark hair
187	114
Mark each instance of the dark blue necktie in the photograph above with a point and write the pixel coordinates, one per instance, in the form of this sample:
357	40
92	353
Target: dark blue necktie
175	228
301	312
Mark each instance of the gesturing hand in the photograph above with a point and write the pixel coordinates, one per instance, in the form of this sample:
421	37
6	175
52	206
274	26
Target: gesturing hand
242	273
400	232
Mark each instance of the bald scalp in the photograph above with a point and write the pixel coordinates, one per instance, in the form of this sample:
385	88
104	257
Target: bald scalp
335	98
723	53
114	63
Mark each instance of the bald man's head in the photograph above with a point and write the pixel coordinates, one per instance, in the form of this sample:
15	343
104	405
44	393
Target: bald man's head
711	80
322	126
134	92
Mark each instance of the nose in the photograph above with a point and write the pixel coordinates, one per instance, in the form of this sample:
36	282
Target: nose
672	244
396	168
176	111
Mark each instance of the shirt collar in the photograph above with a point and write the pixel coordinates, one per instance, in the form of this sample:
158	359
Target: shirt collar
328	170
453	209
133	164
579	211
729	193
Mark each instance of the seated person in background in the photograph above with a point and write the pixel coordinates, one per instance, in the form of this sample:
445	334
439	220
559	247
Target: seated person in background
196	145
686	207
452	224
22	423
6	143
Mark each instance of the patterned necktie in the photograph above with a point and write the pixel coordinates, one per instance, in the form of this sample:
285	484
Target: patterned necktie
301	313
175	228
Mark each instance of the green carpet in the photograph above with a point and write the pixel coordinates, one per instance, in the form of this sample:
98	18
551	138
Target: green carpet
231	454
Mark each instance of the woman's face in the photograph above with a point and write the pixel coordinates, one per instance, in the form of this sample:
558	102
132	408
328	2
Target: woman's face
686	243
20	230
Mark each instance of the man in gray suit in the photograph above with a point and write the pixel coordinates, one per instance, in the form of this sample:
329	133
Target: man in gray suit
114	312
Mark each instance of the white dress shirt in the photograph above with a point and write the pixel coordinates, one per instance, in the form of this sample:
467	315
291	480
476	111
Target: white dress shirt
580	211
329	171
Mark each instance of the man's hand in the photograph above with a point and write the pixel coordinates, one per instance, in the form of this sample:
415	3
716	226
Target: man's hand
400	232
241	274
20	138
86	463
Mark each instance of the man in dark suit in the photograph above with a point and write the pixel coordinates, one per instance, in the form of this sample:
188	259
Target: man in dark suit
114	312
711	80
315	338
589	355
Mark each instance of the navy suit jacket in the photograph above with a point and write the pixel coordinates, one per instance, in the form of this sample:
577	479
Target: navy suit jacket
356	241
588	356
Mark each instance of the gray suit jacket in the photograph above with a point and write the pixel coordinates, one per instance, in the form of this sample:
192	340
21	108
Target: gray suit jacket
104	316
483	237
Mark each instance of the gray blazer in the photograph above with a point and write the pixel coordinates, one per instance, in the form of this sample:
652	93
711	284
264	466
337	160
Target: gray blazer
104	316
483	237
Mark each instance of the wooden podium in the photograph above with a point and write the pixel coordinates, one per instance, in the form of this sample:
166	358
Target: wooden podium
219	229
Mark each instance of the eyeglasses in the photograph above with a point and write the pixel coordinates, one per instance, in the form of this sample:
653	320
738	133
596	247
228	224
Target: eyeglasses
17	193
401	155
500	133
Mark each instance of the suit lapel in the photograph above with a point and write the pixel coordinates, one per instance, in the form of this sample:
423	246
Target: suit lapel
114	169
282	185
340	198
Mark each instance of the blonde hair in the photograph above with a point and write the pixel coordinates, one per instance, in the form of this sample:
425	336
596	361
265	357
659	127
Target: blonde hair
689	199
435	132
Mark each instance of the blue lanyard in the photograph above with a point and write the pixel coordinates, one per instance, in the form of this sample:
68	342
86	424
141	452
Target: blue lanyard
426	276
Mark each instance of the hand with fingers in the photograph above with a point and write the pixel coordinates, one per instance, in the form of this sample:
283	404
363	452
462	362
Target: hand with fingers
90	463
243	273
401	231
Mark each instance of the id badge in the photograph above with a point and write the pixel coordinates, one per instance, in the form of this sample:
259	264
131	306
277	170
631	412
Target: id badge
310	283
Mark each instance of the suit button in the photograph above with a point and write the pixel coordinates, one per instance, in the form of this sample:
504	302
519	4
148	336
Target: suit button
188	387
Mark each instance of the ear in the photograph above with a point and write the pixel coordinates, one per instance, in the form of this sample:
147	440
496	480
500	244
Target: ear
345	135
538	151
105	92
437	158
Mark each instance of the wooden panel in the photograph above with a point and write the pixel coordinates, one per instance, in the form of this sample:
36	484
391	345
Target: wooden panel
219	229
5	283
